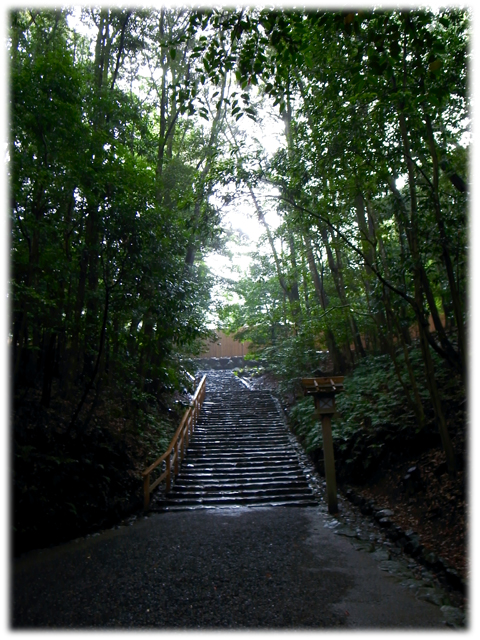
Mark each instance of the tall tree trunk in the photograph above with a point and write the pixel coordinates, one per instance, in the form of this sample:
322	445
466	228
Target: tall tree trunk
456	301
31	282
368	240
97	363
294	296
412	236
357	339
202	194
48	367
446	350
91	299
73	352
338	360
415	402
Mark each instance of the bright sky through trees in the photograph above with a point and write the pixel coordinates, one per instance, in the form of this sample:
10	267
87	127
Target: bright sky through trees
298	178
269	135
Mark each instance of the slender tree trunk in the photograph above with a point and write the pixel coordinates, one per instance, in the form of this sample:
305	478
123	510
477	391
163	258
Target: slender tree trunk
97	363
202	195
294	296
91	298
417	278
456	301
339	363
415	402
48	368
73	353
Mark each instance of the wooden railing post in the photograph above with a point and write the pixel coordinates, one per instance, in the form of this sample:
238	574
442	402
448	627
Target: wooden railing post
146	491
184	443
175	468
168	480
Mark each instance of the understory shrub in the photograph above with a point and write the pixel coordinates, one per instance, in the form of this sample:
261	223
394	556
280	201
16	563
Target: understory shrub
374	419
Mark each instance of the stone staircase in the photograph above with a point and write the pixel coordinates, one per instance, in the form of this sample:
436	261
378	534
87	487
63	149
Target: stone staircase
241	453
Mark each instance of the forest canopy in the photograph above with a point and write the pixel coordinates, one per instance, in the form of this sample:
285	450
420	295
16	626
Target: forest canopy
124	123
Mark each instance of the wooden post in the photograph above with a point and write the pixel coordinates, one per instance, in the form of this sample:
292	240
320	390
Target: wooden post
184	443
146	491
175	468
329	461
324	390
168	482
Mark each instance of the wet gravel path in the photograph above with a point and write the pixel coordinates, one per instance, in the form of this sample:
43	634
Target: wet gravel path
243	568
236	568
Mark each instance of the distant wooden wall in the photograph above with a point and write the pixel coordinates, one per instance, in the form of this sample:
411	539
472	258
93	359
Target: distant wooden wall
225	347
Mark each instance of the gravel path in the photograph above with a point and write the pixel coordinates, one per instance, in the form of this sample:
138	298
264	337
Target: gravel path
239	568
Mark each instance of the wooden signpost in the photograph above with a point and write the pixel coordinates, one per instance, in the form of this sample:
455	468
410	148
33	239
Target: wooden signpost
323	391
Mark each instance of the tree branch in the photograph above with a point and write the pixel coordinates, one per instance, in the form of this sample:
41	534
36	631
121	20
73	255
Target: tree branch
350	244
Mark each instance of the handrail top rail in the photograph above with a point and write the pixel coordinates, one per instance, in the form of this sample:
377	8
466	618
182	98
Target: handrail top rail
197	391
177	432
170	446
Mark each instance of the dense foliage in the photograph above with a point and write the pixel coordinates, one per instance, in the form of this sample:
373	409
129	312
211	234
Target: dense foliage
371	255
119	138
109	191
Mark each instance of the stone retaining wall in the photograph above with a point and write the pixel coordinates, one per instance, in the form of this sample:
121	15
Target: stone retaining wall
225	363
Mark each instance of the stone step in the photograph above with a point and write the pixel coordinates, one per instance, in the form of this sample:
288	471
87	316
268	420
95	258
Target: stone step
224	426
236	450
269	440
238	444
240	454
239	500
211	494
233	416
234	485
272	439
241	464
216	426
247	410
239	459
161	507
244	476
238	433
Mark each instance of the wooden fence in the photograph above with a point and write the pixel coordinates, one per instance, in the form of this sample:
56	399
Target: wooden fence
225	347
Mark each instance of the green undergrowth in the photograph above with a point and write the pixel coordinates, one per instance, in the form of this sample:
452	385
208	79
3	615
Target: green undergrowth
249	371
374	422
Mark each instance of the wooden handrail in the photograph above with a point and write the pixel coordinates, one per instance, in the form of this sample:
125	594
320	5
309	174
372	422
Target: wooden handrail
175	452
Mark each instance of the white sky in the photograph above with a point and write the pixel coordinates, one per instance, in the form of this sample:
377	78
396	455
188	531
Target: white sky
268	135
241	213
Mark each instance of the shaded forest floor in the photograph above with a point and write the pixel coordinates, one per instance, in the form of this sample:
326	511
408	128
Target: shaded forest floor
437	511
